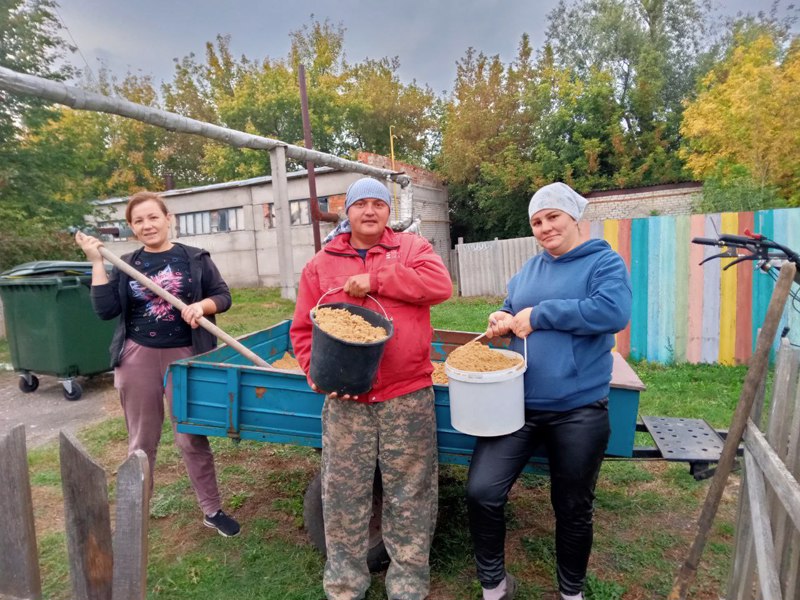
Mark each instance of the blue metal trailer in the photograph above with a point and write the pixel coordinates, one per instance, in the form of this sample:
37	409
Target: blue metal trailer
220	393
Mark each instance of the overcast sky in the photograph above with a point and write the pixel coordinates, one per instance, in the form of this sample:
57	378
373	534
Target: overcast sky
428	36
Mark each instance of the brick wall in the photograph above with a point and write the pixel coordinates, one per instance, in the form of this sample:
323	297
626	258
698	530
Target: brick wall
669	199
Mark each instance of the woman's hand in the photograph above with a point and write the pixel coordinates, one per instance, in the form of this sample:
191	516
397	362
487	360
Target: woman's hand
90	246
332	394
521	323
357	285
499	324
192	314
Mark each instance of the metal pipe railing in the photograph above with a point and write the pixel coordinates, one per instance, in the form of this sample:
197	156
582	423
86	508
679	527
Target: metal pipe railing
78	98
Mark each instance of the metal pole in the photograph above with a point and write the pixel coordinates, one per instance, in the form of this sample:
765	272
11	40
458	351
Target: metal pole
280	199
394	191
316	214
30	85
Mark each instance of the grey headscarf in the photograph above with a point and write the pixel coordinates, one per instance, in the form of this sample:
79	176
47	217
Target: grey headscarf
366	187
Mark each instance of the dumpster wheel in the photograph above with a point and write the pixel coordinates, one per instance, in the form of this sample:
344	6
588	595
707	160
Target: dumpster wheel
28	382
72	389
377	557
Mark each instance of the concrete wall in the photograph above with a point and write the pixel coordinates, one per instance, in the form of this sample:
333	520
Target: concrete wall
668	199
248	258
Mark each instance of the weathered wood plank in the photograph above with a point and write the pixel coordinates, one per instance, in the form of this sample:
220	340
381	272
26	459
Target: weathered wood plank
741	416
743	569
19	562
740	582
790	573
785	485
130	534
87	522
762	534
778	433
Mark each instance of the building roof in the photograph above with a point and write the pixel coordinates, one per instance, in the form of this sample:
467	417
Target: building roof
220	186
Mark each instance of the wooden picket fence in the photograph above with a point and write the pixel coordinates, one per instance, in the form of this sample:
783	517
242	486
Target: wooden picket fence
682	311
766	561
102	566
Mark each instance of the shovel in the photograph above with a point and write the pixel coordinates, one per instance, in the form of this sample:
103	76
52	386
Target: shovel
180	305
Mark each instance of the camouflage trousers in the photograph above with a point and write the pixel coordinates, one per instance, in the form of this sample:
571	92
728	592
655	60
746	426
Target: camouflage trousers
400	435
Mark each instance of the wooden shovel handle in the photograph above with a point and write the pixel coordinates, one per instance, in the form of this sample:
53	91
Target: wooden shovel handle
180	305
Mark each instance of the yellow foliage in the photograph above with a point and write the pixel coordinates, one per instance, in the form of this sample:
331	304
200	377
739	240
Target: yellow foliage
747	114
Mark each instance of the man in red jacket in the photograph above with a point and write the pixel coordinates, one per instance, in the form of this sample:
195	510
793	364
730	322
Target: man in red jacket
393	424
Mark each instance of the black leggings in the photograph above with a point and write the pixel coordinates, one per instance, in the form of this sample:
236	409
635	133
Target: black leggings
576	442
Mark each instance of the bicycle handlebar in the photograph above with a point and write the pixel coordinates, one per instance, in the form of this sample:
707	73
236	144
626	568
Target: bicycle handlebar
729	238
758	247
706	241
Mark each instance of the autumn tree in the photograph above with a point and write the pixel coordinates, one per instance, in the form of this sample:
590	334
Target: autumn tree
745	119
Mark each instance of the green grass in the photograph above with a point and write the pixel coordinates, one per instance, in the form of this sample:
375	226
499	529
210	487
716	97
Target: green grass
464	314
707	392
254	309
645	511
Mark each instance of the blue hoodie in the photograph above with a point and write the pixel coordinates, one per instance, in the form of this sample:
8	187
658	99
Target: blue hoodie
580	300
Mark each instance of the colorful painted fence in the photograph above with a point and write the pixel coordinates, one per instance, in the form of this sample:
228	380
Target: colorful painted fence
685	312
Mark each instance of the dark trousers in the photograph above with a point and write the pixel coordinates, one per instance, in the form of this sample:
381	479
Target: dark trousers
576	442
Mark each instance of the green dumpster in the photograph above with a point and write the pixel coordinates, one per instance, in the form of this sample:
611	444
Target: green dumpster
50	325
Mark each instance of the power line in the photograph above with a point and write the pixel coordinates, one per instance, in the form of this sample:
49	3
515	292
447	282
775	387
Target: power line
89	71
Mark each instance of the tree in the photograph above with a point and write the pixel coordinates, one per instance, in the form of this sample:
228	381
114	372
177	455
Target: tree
350	106
30	43
746	116
655	50
508	131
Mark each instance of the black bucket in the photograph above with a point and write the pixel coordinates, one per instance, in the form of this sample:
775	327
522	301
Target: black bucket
346	367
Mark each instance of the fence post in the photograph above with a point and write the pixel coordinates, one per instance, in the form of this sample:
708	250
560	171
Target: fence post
19	562
130	533
87	521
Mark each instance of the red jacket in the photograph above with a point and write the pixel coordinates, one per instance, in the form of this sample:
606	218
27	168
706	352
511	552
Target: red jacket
407	277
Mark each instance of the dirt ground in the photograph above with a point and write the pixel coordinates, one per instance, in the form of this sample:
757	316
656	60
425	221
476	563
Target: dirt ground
45	411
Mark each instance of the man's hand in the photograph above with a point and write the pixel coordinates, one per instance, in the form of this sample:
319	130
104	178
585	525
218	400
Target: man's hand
357	285
332	394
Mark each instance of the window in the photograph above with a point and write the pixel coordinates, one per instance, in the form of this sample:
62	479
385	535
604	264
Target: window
211	221
299	212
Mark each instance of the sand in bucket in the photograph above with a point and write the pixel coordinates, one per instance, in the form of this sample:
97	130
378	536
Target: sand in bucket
487	392
345	354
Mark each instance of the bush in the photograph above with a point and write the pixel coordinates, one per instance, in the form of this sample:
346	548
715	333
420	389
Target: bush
16	248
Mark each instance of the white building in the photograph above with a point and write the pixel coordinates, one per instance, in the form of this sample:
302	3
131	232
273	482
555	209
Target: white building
235	221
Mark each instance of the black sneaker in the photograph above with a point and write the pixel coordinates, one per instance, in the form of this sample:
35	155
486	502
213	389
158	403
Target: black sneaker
225	525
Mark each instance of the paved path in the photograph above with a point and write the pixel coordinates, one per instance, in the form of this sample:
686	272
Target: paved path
45	412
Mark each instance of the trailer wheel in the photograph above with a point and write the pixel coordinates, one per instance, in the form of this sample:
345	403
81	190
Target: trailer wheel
377	557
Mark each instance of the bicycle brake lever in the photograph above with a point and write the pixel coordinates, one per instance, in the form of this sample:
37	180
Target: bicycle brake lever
741	258
726	254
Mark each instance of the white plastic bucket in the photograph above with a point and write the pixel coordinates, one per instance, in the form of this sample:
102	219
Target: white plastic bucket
488	404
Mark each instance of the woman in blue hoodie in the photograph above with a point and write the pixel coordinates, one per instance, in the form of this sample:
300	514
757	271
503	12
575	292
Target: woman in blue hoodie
568	301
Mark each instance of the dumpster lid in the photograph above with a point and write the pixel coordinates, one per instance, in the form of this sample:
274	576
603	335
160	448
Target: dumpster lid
49	267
